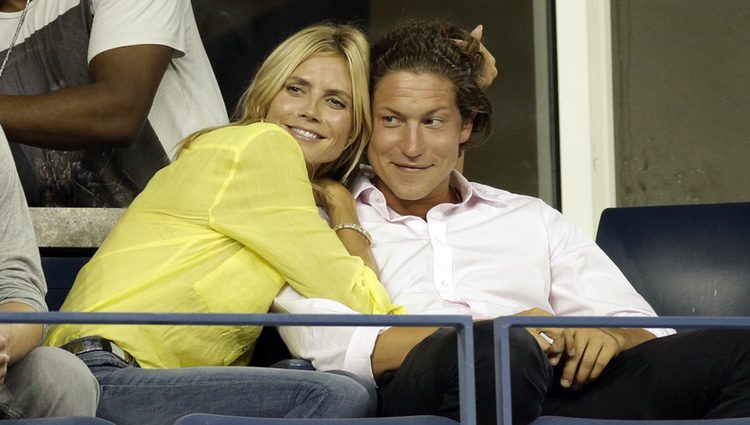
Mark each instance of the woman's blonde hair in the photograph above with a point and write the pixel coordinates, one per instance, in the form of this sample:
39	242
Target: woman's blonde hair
344	40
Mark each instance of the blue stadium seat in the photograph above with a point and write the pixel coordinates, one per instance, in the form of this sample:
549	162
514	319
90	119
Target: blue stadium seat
199	419
686	260
61	266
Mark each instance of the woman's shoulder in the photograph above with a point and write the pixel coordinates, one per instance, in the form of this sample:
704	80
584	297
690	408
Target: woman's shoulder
246	133
261	140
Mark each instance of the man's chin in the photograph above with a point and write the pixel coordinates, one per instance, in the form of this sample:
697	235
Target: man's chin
409	196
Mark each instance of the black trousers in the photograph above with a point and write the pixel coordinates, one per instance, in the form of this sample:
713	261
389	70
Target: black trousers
694	374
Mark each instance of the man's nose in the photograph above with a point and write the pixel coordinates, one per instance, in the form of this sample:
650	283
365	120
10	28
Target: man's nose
413	142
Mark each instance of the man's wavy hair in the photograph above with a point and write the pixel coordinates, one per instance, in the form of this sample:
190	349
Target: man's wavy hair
440	48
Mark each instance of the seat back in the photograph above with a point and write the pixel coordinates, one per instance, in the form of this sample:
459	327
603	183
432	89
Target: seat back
61	266
686	260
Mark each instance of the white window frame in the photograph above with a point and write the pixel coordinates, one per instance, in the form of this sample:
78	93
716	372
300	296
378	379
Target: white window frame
586	125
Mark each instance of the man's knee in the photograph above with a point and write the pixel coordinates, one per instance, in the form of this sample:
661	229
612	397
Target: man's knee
52	382
526	353
530	373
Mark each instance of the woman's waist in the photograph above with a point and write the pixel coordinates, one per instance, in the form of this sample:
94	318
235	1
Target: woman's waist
160	346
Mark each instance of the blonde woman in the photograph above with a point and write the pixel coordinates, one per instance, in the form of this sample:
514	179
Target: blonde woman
221	230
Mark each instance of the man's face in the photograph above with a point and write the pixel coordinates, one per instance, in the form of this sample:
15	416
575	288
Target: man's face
415	141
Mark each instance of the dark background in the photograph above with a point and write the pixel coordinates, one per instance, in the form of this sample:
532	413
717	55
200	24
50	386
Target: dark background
239	34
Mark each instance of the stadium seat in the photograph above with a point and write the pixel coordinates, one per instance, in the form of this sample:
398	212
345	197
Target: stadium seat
686	260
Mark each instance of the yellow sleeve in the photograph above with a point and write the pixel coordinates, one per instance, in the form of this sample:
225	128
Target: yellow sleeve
266	203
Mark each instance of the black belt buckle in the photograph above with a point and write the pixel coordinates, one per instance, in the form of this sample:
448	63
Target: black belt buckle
90	344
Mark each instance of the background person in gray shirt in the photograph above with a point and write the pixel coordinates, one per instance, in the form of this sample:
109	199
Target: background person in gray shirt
34	381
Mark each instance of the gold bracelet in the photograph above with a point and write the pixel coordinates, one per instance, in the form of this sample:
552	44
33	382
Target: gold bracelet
357	228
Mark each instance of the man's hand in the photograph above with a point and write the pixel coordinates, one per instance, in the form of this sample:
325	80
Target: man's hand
489	71
551	340
585	352
588	351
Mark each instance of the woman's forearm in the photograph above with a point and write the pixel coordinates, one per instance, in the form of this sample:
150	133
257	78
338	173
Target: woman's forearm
342	209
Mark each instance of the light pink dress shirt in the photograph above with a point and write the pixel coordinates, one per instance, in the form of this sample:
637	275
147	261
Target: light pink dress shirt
495	253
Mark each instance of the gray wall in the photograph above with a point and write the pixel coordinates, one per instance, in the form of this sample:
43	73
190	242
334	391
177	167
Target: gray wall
682	96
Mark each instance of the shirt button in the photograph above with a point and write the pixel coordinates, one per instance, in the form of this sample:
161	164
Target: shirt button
444	283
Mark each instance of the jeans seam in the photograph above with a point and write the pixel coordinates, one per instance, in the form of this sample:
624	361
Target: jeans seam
319	402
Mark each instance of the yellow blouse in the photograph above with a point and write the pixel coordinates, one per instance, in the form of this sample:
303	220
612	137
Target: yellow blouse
220	230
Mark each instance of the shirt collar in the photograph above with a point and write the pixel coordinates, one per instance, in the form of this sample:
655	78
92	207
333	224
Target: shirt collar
365	191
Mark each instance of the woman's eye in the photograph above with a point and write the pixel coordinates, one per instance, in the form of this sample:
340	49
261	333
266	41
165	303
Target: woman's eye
389	119
294	89
337	103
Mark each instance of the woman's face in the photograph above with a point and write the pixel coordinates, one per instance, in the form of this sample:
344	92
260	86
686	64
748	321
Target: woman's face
315	107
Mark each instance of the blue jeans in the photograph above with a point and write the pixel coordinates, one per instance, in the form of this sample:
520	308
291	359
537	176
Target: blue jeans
131	395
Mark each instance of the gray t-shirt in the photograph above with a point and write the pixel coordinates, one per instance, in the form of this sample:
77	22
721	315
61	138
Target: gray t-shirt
21	277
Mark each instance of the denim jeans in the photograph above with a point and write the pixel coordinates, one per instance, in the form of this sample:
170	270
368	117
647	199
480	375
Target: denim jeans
131	395
48	382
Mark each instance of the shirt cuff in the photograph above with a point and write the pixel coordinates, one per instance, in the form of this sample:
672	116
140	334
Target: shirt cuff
358	358
660	332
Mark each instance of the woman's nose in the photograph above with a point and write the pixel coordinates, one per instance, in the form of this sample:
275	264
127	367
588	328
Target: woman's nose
309	110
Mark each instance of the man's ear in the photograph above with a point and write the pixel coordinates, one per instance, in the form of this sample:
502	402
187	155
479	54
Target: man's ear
466	128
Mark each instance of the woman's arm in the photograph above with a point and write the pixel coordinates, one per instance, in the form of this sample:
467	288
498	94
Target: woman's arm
342	210
266	203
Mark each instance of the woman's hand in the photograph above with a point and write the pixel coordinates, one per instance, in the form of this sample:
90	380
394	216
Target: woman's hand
489	70
332	195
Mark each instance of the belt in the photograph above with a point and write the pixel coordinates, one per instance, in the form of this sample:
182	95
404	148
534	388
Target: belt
89	344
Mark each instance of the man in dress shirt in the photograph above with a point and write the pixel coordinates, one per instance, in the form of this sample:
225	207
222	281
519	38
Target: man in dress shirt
448	246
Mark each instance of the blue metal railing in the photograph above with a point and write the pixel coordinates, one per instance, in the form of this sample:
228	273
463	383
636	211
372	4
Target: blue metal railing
502	327
462	324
